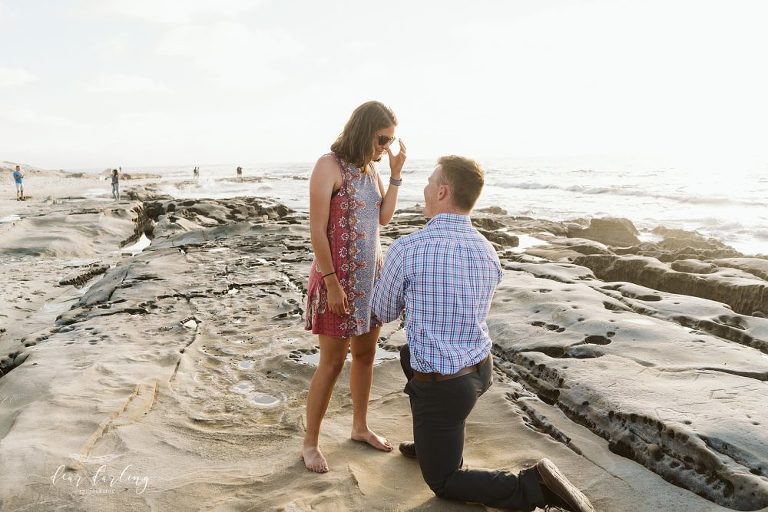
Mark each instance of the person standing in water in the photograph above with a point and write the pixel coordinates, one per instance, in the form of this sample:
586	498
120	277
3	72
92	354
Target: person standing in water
347	203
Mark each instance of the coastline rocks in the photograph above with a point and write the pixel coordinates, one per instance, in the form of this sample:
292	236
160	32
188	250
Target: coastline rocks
179	360
232	210
679	244
80	277
493	210
585	246
171	215
139	176
660	393
244	179
610	231
537	226
740	290
67	233
567	249
679	238
487	223
500	238
701	254
656	250
755	266
693	266
11	361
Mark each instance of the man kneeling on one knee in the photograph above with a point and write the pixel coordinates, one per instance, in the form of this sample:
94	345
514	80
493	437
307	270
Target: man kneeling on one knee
444	277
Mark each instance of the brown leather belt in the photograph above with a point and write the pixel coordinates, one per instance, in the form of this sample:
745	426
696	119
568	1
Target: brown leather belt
439	377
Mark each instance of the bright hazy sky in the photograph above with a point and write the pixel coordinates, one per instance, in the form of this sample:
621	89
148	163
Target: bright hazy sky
101	83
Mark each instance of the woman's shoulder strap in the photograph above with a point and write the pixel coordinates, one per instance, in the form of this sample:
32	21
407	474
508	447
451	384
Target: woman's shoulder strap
343	166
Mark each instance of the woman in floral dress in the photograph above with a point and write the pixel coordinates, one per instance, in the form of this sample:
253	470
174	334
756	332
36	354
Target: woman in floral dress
347	203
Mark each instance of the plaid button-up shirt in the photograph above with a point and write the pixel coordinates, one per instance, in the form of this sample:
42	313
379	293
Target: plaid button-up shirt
444	277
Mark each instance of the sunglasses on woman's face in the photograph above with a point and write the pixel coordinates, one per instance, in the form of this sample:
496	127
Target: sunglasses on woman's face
383	140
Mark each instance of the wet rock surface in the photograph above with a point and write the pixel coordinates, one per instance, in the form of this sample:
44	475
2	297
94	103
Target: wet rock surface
644	379
620	232
629	367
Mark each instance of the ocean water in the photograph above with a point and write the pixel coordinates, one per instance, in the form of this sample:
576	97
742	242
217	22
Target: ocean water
727	203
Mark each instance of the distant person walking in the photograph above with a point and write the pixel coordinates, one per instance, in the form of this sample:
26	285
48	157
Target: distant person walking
239	172
196	172
115	185
18	177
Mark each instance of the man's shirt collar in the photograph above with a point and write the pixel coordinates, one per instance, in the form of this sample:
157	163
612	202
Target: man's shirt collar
450	220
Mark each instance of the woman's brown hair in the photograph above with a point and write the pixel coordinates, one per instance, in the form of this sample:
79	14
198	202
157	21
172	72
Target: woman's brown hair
355	144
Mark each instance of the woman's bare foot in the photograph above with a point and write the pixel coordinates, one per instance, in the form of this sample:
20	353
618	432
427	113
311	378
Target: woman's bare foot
378	442
314	460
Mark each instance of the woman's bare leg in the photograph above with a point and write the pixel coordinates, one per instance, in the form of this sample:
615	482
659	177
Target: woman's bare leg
360	380
333	352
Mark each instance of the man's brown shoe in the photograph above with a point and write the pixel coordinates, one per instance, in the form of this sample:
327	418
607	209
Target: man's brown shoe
558	491
408	448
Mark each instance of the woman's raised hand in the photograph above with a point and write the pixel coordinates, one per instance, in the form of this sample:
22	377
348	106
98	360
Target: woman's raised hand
396	161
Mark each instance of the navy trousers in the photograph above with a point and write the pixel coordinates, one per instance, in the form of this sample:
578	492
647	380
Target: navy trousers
440	410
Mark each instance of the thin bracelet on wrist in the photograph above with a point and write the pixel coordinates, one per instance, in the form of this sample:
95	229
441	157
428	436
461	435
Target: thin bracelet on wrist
393	181
329	274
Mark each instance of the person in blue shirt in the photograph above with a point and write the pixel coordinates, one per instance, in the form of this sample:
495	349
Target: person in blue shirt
18	177
444	276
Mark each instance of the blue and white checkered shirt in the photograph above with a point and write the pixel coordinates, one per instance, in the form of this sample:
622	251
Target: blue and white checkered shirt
444	276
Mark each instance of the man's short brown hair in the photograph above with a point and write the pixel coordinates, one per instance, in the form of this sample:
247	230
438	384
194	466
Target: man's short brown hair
465	177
